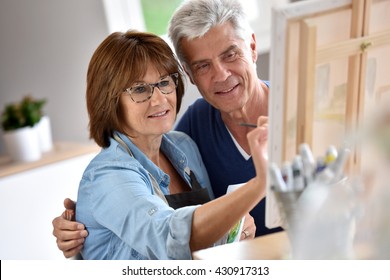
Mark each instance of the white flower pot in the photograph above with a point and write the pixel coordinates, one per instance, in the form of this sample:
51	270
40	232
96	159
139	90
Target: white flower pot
44	134
22	144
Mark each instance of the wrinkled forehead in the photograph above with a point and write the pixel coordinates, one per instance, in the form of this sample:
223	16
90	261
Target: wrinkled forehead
214	43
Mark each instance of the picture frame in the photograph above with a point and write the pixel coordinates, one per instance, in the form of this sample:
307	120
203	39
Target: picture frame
327	66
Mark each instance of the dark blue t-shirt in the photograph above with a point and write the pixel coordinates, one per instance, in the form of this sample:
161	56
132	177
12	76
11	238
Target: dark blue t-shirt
224	162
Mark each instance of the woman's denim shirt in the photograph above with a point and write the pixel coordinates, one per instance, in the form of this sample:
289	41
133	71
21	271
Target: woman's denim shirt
123	216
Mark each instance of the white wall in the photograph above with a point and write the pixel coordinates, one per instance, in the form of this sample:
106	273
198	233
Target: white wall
45	48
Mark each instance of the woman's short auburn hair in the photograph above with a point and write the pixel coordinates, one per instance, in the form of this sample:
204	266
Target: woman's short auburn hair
119	61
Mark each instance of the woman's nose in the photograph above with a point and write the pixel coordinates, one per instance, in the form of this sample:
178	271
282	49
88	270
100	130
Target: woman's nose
157	96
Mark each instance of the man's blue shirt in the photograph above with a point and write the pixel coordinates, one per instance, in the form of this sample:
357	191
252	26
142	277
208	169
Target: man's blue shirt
224	162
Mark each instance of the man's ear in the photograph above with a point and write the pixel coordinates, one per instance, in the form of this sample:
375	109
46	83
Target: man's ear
252	45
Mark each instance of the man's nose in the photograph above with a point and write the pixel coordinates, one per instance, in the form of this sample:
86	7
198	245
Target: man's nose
220	71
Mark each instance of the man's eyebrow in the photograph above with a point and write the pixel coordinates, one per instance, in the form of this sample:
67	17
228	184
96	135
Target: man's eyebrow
199	62
229	49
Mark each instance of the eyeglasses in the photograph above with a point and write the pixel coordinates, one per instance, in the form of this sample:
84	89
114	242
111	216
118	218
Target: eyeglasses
142	92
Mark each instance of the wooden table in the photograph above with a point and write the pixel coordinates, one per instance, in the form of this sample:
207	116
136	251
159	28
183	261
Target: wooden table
275	246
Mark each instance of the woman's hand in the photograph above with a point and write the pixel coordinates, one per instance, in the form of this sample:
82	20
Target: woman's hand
258	140
249	228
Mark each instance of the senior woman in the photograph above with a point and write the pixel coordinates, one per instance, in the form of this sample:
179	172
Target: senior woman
147	195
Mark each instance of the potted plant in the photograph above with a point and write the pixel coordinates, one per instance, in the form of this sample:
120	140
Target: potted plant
21	131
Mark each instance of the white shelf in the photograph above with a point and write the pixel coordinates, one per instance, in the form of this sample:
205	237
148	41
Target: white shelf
31	196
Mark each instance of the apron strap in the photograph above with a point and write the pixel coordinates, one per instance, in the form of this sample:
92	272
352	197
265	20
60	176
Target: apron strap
123	144
156	188
194	182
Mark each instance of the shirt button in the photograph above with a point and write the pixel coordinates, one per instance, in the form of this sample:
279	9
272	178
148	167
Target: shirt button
152	211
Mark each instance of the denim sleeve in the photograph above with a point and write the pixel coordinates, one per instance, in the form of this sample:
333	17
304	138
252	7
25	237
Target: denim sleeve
120	201
180	233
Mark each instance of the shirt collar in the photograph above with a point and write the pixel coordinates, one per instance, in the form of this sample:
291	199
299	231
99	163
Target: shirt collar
170	150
